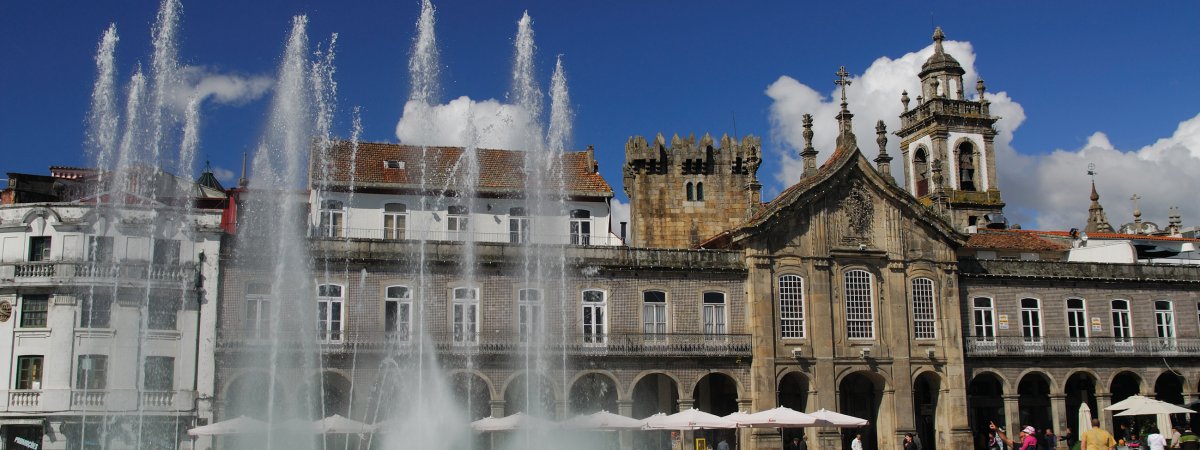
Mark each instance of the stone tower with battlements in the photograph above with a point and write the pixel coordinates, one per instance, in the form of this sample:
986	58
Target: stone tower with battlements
948	133
685	191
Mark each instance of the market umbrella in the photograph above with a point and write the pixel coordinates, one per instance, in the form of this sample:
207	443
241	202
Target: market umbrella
337	424
603	420
1129	402
834	419
1085	417
781	417
692	419
509	423
240	425
738	417
1154	407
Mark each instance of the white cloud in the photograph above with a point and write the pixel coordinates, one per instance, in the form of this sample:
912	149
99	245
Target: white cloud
225	176
229	89
1048	191
463	121
620	213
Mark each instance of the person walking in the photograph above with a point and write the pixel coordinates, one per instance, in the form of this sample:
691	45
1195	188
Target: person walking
1027	435
1049	440
856	444
1188	440
1096	438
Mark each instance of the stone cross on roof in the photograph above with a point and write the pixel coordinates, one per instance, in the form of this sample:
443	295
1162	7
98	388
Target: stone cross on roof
843	80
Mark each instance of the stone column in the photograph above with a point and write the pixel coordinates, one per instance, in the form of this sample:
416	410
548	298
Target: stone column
625	408
686	403
497	408
1058	413
1103	400
1012	414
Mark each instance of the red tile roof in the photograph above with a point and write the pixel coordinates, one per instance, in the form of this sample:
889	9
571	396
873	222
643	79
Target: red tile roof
1011	240
500	171
1110	236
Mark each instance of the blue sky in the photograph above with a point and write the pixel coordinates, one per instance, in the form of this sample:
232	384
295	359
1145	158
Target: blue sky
1125	69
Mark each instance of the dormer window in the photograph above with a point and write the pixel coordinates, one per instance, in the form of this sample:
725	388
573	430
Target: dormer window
393	164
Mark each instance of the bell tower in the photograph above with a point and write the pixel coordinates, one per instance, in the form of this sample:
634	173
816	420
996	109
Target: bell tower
947	144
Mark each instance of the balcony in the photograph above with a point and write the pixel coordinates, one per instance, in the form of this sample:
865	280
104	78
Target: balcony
613	344
979	346
604	240
24	399
91	272
88	399
39	400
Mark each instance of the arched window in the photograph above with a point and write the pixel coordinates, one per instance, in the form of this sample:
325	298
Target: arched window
714	313
699	191
330	298
397	312
1031	320
1122	330
465	315
924	309
966	166
529	313
791	307
332	216
921	172
395	220
654	315
690	192
1076	321
860	305
595	315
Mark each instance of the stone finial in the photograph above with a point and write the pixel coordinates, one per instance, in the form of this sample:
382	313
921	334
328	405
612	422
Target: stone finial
1097	221
904	99
883	162
920	99
845	138
938	37
809	154
935	168
980	88
243	181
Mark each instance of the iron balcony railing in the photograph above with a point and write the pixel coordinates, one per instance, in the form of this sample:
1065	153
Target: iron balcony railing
512	237
611	344
1091	346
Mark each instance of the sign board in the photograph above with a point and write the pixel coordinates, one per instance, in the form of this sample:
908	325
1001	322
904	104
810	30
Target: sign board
1002	321
1095	324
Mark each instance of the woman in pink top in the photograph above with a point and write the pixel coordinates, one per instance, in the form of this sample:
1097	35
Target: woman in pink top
1028	440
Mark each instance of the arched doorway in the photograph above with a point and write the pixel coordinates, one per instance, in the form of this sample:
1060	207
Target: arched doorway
1080	389
985	400
593	392
471	392
1034	401
654	393
1123	385
248	396
861	396
793	393
1169	388
925	405
716	393
530	395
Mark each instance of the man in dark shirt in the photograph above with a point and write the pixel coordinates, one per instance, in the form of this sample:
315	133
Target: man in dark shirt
1188	440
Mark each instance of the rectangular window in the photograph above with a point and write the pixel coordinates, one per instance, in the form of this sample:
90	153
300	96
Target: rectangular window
33	311
529	313
92	372
1076	321
164	311
518	226
456	222
594	311
714	313
985	320
924	318
166	252
1164	321
100	249
654	315
95	311
329	312
29	372
332	218
397	312
860	314
258	311
1031	320
395	221
465	320
1122	331
581	227
791	307
39	248
159	373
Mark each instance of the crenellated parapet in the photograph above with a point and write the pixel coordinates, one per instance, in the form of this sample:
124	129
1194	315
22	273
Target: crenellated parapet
677	187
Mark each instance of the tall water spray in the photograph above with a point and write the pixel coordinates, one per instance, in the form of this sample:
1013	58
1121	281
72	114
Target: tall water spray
104	117
165	71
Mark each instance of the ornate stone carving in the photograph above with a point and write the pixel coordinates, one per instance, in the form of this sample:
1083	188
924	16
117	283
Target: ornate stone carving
5	310
859	210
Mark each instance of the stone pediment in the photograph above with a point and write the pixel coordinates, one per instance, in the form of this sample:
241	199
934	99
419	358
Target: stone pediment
846	204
